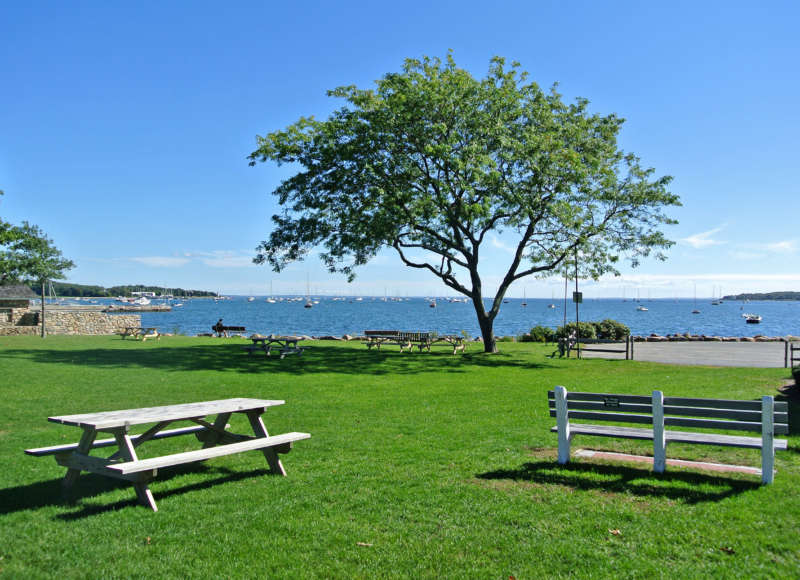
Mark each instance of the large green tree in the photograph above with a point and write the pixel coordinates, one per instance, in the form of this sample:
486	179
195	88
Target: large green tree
27	254
432	161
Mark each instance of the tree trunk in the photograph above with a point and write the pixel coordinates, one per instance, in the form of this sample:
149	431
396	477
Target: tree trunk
44	333
487	332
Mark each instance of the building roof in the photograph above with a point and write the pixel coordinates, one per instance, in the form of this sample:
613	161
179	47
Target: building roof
16	292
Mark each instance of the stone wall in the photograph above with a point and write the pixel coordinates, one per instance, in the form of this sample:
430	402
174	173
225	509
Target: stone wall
24	321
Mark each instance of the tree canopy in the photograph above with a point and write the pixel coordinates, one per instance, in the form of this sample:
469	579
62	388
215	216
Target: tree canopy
27	254
431	161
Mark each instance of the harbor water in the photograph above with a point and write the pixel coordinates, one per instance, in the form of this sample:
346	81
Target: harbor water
352	316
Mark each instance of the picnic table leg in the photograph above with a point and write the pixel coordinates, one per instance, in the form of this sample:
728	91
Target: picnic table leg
128	453
212	436
257	424
85	445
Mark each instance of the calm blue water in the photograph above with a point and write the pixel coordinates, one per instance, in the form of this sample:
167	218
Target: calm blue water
330	317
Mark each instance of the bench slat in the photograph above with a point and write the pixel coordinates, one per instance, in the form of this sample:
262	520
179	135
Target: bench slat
714	424
754	416
673	436
615	417
39	451
203	454
780	406
577	396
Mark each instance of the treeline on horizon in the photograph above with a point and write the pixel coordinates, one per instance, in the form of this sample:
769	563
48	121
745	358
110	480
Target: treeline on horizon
84	290
765	296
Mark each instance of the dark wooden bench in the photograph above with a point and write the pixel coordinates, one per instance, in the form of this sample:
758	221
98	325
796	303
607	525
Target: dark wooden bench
765	416
606	346
225	331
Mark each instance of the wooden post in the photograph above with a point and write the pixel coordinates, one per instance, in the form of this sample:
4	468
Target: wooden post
659	440
627	346
767	438
786	355
562	420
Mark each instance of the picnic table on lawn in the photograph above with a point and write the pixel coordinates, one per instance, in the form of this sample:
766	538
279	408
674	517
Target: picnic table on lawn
407	340
140	332
284	344
124	464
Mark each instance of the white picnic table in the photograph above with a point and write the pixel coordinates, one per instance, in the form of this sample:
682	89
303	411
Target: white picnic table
124	464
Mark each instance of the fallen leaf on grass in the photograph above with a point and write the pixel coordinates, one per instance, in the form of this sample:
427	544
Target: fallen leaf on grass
363	544
614	532
727	549
147	541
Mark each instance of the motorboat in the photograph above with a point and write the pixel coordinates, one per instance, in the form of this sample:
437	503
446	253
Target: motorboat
751	318
642	308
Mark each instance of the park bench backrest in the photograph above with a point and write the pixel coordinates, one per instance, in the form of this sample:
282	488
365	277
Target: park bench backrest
678	411
381	332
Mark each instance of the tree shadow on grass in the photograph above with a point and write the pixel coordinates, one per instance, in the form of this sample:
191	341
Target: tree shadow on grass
51	493
688	487
228	357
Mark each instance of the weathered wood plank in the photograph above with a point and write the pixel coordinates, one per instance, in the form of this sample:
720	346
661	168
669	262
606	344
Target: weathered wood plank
713	403
110	442
580	396
209	453
112	419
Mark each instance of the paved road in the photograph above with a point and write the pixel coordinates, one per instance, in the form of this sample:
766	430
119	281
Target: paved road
723	354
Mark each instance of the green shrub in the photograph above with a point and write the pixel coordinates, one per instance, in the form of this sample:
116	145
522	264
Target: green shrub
540	333
611	329
606	329
587	330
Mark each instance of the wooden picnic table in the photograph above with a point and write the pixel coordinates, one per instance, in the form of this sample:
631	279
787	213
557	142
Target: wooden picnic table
284	344
407	340
141	332
124	464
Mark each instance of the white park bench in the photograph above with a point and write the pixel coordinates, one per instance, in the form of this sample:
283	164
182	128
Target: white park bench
765	416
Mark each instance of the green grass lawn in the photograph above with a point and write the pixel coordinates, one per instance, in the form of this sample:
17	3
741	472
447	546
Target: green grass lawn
419	465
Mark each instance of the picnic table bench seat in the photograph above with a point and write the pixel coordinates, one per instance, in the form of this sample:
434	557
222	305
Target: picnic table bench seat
765	416
280	443
110	442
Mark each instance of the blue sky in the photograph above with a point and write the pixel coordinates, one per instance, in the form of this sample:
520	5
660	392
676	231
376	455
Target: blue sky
125	127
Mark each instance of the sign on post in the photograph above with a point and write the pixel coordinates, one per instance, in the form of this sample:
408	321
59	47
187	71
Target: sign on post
577	297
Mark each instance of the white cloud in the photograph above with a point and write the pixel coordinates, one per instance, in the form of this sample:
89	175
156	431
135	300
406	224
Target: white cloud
224	259
784	247
703	239
161	261
743	255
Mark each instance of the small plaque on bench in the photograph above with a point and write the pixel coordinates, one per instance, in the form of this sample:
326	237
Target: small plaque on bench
611	402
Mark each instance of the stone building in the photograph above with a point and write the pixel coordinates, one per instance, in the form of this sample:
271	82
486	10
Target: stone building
19	317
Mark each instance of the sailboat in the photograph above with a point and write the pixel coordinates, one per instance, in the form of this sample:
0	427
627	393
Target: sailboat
308	303
695	311
553	298
271	298
524	298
